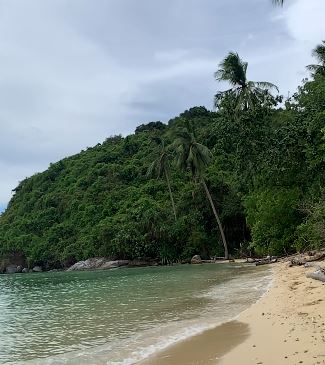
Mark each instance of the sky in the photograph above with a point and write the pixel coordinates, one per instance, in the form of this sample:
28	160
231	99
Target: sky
74	72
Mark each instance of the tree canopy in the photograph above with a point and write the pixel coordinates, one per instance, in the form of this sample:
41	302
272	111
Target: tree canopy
257	175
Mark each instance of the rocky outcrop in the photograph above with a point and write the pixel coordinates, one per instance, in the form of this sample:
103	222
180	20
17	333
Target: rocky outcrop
103	263
97	263
196	259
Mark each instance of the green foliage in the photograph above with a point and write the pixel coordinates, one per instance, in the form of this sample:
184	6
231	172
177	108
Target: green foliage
262	169
273	217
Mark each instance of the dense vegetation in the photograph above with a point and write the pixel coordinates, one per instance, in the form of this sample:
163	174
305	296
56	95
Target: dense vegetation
248	177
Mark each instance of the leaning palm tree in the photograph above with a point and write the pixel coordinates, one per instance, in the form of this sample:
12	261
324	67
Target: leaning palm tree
319	54
195	157
160	167
233	70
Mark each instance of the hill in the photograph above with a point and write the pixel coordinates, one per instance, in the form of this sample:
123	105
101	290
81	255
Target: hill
266	178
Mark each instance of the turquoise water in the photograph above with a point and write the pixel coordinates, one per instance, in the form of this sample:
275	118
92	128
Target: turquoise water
118	316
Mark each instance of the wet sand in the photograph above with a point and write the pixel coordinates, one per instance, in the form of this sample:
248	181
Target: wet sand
286	326
204	348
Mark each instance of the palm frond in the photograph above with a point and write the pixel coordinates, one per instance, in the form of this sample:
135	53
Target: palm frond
264	85
232	69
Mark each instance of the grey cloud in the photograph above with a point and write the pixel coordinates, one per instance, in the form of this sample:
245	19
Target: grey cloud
76	71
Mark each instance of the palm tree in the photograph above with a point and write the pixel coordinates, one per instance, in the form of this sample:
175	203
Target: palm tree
319	54
233	70
195	157
160	167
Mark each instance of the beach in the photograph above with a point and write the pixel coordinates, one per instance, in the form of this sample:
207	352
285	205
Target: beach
286	326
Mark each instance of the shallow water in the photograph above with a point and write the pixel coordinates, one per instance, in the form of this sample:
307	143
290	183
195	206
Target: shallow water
118	316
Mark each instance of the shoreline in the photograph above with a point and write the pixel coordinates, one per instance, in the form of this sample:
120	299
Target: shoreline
285	326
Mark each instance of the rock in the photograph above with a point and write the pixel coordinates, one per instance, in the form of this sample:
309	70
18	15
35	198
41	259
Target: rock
114	264
19	269
250	260
37	269
25	270
12	269
317	275
97	263
196	259
312	264
90	264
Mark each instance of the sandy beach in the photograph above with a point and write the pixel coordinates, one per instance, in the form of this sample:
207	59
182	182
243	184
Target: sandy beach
286	326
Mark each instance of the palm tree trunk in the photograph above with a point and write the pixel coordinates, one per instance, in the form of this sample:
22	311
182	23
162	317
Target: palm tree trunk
217	218
170	193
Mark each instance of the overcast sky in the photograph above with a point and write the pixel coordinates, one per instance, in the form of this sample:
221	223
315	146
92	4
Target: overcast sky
73	72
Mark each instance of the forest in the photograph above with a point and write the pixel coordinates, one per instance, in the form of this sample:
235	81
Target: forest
246	178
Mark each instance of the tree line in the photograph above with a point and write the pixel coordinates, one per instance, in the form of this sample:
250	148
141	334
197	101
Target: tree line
245	178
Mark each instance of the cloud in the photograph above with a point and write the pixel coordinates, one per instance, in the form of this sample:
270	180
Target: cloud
305	20
76	71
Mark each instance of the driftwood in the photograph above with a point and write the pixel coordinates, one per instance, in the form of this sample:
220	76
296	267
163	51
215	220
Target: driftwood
303	260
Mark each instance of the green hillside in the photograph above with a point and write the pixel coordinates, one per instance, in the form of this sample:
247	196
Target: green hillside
265	173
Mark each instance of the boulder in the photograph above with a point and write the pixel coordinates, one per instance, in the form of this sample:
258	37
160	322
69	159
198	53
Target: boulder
317	275
98	263
250	260
114	264
12	269
90	264
25	270
37	269
196	259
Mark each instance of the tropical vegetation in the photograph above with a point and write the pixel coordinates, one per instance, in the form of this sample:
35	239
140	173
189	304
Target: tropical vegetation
246	178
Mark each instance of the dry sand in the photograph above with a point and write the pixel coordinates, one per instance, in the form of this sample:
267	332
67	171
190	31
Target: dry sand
286	326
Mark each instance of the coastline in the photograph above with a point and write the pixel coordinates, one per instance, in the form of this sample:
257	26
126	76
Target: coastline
285	326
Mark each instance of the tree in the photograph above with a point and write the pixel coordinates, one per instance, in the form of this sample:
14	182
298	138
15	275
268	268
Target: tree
319	54
195	157
233	70
160	167
278	2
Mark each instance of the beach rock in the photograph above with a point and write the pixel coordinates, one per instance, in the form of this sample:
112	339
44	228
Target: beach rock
37	269
312	264
12	269
97	263
250	260
25	270
90	264
317	275
196	259
113	264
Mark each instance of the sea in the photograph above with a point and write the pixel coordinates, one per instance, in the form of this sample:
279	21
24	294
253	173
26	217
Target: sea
119	316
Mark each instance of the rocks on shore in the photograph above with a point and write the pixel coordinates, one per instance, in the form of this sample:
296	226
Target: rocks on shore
13	269
103	263
196	260
319	274
16	269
